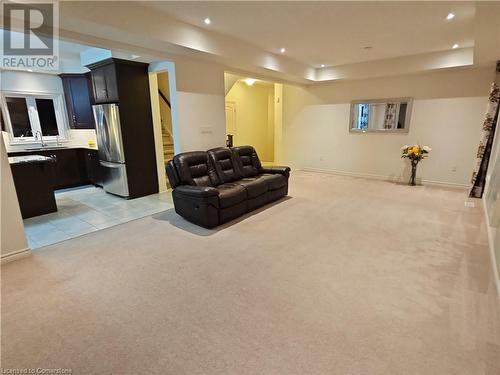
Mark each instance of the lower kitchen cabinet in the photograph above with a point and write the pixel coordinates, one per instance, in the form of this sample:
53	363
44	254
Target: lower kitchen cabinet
34	187
94	171
69	167
72	166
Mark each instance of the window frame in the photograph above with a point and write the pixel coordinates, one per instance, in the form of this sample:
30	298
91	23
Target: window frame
30	97
353	115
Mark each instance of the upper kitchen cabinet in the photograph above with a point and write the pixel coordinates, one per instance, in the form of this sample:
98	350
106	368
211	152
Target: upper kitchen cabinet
104	81
77	91
112	80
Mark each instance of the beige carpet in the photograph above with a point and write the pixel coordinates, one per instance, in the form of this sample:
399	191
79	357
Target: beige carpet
348	276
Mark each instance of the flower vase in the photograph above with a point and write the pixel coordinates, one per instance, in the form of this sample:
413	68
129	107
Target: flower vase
414	164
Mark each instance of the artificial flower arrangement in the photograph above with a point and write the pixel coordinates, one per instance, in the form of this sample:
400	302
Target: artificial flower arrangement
415	154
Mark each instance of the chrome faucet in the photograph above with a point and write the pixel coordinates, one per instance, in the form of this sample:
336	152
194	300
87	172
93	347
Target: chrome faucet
42	143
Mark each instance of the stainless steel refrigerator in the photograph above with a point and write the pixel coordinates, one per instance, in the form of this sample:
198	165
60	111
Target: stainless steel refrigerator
110	149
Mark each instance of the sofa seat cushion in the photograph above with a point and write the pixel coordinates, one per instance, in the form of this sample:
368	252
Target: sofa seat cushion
231	194
274	181
254	186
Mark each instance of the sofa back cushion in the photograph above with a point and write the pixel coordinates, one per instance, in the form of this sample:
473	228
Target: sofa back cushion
248	160
193	168
225	164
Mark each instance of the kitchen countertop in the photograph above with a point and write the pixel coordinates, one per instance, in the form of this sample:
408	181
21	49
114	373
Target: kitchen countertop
49	148
29	159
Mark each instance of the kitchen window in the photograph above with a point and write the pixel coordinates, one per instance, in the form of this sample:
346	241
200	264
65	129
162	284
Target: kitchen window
29	115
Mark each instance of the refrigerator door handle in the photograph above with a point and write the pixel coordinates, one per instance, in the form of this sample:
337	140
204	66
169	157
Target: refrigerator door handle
101	130
111	165
114	134
109	135
105	135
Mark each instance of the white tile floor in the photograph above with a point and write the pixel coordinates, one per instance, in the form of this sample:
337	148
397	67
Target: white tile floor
87	209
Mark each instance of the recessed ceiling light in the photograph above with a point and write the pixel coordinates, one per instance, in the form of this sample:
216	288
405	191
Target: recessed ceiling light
207	21
283	50
322	65
455	46
450	16
249	81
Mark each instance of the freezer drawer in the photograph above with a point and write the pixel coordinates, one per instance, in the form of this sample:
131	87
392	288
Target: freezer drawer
115	178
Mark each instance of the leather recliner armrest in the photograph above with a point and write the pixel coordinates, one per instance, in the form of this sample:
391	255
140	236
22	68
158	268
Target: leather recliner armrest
285	171
197	191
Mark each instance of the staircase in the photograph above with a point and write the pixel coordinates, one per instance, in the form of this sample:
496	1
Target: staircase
166	118
168	144
166	127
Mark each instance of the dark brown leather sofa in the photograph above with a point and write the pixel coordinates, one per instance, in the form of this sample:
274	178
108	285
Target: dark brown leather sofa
216	186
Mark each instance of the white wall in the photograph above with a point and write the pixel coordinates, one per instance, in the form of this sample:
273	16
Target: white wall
31	82
12	239
200	122
197	100
447	115
200	105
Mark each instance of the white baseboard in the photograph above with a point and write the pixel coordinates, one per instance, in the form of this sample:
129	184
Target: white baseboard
382	177
15	255
491	245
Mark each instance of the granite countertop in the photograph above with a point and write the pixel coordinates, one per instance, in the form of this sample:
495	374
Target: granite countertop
49	148
29	159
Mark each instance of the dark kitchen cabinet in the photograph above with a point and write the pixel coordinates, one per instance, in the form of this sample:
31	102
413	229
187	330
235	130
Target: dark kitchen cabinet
69	168
94	171
77	92
34	182
104	84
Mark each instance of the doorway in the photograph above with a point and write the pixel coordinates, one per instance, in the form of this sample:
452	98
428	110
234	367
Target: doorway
163	102
165	116
253	115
